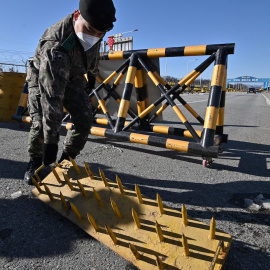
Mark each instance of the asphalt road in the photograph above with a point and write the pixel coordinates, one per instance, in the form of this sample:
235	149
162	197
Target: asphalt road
33	236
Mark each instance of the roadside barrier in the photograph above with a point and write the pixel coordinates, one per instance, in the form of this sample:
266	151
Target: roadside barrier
145	232
133	66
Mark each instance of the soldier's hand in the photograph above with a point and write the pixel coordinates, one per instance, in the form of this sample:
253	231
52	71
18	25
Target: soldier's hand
49	153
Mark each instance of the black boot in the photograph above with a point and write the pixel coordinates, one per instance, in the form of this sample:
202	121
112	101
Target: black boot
32	166
66	155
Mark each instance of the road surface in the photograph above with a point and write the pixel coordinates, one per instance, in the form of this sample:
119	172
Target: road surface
33	236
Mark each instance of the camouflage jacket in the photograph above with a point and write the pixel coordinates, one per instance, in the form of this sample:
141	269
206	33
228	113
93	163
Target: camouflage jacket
60	62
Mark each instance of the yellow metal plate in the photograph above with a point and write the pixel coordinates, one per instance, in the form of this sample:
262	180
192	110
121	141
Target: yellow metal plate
204	253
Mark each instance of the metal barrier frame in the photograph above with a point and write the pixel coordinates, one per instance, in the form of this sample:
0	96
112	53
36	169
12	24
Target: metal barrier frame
207	142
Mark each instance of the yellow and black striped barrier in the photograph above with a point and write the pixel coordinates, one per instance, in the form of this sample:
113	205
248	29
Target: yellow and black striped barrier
135	68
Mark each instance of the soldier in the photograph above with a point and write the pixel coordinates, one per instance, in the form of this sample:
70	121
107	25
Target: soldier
67	51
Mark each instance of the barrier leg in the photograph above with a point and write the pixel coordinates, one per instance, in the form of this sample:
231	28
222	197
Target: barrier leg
125	101
212	110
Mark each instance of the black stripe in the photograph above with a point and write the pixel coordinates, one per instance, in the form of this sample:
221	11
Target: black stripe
174	51
205	64
127	91
176	131
157	141
133	60
222	100
141	94
219	129
221	57
195	148
125	64
229	48
214	97
207	137
120	122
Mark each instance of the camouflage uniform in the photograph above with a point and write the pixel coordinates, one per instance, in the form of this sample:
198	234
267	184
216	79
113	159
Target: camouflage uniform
56	80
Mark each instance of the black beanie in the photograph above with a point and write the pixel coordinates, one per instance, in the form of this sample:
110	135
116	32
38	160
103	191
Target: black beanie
99	13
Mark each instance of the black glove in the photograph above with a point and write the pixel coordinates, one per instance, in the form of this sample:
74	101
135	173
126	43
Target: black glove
49	153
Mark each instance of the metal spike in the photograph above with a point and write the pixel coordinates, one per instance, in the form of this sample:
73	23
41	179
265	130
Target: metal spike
89	172
111	234
68	181
138	192
136	218
49	193
159	232
56	175
159	263
93	222
212	228
160	204
84	193
120	186
63	201
76	211
98	198
134	251
102	175
115	208
185	245
184	215
75	165
36	184
36	172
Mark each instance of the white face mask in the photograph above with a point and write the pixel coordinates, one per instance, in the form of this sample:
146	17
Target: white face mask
86	40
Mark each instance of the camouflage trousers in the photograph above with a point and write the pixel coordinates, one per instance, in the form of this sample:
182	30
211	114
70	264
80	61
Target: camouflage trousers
77	103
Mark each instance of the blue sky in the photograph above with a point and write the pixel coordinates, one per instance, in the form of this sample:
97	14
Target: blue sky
170	23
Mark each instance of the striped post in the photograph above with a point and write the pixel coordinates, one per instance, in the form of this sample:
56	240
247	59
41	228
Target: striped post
212	110
221	112
125	101
140	92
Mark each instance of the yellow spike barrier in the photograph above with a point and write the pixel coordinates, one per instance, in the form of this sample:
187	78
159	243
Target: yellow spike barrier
111	234
185	246
203	252
120	186
159	232
75	165
36	184
212	228
134	251
63	200
115	208
160	204
48	192
103	177
98	198
84	193
184	215
159	263
68	181
93	222
89	172
136	219
138	192
56	175
76	211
